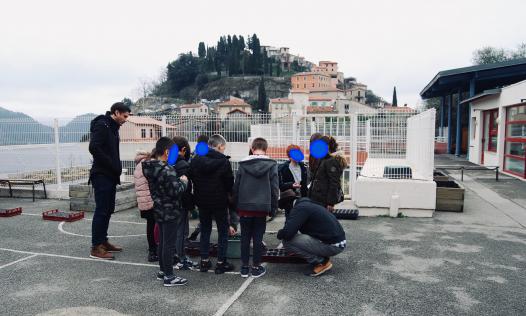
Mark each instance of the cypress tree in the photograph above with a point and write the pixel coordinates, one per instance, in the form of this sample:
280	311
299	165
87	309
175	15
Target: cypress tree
395	101
262	96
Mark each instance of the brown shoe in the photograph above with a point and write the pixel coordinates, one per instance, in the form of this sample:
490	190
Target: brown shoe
321	268
99	252
111	248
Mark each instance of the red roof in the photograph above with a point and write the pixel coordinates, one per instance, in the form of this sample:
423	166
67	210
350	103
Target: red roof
233	101
145	120
320	109
319	99
398	109
237	111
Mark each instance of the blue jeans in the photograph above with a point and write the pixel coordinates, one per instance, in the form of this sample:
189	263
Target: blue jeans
252	228
105	190
221	218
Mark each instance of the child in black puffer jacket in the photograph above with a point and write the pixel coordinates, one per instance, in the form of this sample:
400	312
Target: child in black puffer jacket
166	189
182	167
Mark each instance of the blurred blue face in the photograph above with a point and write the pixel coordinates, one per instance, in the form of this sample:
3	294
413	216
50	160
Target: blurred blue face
201	149
296	155
173	153
319	149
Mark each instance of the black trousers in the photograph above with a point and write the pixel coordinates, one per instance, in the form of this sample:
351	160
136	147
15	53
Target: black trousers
252	228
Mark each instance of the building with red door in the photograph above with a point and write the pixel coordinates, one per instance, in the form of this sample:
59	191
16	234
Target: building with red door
497	134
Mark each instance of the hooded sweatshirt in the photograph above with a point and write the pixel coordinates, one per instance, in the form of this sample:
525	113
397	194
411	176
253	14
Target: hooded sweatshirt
212	179
144	198
326	187
104	147
256	188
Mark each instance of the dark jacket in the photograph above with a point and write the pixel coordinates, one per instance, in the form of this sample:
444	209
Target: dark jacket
257	185
212	179
326	187
286	179
104	146
182	167
166	190
314	220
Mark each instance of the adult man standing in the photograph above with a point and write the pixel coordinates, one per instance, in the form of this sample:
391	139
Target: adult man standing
105	175
321	236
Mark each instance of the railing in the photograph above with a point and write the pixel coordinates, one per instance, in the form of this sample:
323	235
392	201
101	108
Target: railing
60	155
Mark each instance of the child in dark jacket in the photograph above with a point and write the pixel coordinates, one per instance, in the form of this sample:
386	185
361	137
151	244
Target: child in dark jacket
182	167
255	193
166	189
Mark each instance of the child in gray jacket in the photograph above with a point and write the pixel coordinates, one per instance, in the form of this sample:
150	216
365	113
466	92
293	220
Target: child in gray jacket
255	193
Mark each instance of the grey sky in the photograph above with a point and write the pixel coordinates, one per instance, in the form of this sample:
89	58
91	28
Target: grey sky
65	58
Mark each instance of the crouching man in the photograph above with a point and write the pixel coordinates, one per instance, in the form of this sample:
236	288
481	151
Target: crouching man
320	235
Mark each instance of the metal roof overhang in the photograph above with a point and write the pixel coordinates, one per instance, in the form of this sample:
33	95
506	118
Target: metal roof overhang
487	77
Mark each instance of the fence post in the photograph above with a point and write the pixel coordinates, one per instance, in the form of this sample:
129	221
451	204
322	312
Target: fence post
57	155
163	119
294	128
354	155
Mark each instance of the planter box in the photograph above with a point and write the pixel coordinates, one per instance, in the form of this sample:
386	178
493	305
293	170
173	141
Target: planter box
440	176
450	196
81	197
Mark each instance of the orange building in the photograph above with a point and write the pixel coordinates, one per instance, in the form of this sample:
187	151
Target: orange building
309	81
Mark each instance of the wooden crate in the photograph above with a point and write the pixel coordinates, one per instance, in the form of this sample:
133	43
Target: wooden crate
440	176
450	196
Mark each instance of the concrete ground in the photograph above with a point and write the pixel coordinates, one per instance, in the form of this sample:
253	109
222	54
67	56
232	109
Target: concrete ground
471	263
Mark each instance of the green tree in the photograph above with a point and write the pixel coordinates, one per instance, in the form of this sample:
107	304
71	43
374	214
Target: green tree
128	102
371	98
201	80
395	101
182	72
489	55
201	51
256	60
278	69
262	96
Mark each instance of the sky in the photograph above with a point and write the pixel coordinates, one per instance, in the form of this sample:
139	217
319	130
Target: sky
60	59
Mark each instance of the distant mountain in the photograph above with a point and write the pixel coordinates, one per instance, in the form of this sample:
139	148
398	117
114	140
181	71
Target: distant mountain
76	130
20	129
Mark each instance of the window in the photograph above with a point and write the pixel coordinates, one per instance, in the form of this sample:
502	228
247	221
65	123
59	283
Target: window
304	85
491	129
143	132
151	133
515	141
193	110
313	85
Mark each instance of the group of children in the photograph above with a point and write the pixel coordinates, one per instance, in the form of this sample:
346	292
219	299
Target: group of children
166	193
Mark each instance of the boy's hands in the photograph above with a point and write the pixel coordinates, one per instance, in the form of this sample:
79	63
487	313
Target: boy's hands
231	231
296	185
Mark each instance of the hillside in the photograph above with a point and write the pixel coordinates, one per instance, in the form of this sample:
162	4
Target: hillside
246	87
20	129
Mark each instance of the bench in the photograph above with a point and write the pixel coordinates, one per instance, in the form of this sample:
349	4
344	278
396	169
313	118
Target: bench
11	182
467	168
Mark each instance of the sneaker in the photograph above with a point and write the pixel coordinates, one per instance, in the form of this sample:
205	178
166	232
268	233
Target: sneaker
205	265
258	271
245	271
176	259
160	276
99	252
321	268
174	281
186	264
111	248
152	256
224	267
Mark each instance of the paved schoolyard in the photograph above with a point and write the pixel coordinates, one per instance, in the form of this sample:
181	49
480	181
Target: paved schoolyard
453	264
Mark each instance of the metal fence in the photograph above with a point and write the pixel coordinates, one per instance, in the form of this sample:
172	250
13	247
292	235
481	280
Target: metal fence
59	154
